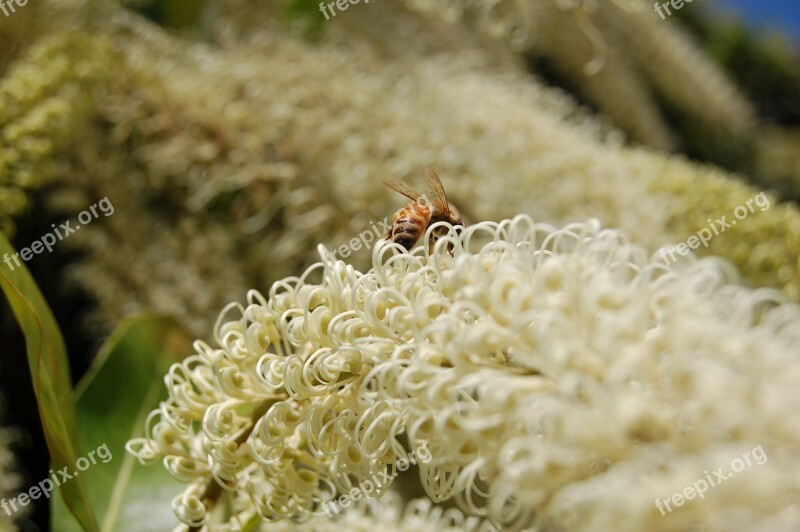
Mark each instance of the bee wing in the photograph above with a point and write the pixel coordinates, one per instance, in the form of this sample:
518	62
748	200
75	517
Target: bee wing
403	189
436	190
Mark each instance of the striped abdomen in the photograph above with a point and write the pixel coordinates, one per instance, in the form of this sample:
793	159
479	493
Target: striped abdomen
409	225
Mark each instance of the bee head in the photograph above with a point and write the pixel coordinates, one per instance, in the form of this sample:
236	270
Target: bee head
455	217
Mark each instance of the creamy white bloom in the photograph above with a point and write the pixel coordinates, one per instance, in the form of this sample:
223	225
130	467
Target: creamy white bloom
560	377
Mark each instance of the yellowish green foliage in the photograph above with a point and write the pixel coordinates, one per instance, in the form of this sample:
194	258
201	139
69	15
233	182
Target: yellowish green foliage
765	246
45	96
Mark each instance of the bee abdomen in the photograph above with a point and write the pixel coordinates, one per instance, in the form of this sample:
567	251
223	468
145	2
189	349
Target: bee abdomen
406	234
408	228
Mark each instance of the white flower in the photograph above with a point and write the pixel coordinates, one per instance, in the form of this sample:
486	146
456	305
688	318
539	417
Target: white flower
561	378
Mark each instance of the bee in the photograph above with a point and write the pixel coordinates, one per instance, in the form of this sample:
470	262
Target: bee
411	222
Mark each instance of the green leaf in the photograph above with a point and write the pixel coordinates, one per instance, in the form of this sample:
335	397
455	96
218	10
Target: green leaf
124	384
47	358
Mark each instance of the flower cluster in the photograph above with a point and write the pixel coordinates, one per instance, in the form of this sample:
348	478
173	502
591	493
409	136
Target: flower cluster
560	377
272	144
44	97
615	51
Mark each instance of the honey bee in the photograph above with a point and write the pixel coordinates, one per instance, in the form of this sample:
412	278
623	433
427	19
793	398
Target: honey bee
411	222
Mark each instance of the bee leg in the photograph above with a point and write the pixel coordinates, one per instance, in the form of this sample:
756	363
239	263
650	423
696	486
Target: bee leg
432	244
